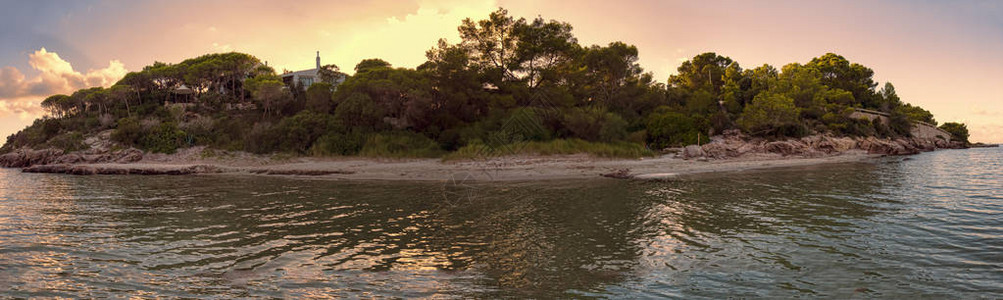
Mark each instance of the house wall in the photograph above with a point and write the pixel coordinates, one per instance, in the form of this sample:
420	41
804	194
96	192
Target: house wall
919	129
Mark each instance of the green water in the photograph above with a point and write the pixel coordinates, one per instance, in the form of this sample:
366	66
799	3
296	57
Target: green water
929	226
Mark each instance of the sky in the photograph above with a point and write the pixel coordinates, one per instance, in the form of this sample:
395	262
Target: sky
944	56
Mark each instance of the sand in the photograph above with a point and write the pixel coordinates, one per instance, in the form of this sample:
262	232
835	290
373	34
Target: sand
520	168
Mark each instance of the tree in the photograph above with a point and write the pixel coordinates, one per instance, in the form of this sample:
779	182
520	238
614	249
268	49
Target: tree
359	111
493	44
331	74
771	113
609	70
58	105
269	92
541	48
667	128
318	97
371	64
958	131
705	71
120	93
839	73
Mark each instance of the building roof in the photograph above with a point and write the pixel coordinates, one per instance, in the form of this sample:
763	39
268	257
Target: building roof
309	72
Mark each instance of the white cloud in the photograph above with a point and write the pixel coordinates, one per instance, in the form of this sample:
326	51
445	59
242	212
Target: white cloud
21	95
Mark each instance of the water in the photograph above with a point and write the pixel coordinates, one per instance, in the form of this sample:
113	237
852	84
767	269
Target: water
929	226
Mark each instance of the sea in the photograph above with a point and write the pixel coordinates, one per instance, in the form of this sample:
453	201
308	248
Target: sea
926	226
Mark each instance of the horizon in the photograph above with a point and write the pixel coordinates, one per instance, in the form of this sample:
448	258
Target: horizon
940	56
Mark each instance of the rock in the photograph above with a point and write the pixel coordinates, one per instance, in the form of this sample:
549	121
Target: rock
27	157
71	158
128	155
718	150
693	151
46	169
657	176
785	148
618	174
82	170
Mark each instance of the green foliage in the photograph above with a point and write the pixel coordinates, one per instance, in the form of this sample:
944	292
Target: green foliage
900	123
958	131
371	64
69	141
508	81
359	111
772	114
400	144
552	147
318	97
339	143
150	135
916	113
595	124
666	128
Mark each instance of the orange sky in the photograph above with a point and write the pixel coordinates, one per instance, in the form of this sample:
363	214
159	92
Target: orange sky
941	56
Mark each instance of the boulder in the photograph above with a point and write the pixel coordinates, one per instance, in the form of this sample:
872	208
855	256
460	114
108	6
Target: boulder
693	151
786	148
127	155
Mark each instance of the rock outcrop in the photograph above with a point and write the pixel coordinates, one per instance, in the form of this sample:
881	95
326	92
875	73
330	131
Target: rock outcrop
23	158
120	170
733	144
27	157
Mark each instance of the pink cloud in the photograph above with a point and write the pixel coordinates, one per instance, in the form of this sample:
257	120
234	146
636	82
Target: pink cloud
20	94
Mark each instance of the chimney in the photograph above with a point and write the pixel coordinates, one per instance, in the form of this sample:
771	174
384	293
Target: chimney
318	60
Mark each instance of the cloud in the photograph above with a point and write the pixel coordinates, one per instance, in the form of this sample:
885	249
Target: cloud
20	94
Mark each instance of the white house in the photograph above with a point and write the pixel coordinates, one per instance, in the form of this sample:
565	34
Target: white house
307	77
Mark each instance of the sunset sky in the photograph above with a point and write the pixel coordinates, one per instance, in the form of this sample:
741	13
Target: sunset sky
946	56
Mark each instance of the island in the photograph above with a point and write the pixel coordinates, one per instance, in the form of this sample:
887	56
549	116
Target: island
515	99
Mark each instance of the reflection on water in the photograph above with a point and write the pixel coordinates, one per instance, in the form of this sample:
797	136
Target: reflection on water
891	229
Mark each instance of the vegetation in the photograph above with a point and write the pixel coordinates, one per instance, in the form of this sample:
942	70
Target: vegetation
958	131
509	86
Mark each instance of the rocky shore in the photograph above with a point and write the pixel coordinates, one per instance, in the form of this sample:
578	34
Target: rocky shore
733	144
729	152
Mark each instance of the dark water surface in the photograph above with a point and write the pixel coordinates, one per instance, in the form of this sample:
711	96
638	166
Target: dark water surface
930	226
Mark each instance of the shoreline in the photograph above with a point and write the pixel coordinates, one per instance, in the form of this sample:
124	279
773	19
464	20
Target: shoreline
512	168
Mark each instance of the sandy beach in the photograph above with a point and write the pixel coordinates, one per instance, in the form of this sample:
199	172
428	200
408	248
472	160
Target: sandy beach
520	168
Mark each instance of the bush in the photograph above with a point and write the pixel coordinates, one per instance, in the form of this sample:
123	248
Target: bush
150	135
337	143
666	128
772	114
358	110
318	97
400	144
70	141
298	133
958	131
553	147
595	124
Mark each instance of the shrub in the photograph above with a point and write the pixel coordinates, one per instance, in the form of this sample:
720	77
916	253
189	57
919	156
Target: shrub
958	131
70	141
667	128
552	147
338	143
318	97
298	133
260	139
358	110
774	114
400	144
595	124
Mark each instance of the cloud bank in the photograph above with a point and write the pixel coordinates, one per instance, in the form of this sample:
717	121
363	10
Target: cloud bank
21	95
